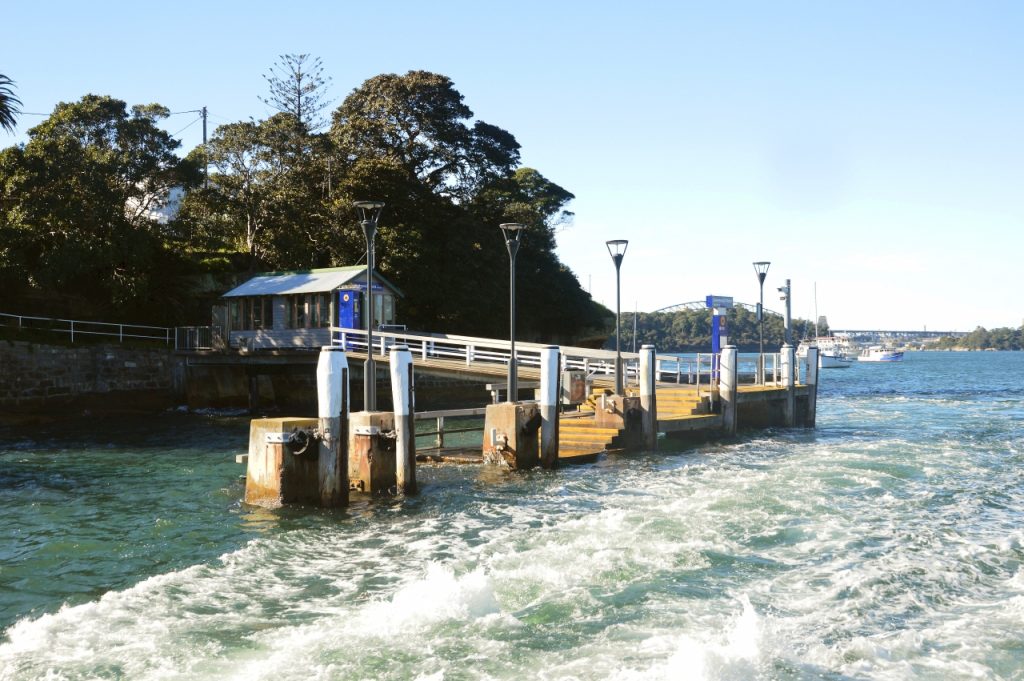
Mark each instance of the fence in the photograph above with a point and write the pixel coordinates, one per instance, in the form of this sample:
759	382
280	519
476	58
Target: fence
75	327
441	429
198	338
700	371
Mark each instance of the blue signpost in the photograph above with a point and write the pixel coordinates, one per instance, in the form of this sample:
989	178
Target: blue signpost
719	305
719	334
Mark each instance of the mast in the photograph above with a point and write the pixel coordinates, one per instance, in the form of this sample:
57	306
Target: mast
815	310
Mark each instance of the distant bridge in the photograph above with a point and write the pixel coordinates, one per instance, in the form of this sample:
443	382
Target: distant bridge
881	334
702	305
861	335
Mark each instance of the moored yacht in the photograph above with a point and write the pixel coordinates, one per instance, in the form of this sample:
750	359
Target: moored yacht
832	351
877	353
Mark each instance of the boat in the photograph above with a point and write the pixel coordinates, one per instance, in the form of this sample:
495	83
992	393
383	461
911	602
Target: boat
877	353
832	352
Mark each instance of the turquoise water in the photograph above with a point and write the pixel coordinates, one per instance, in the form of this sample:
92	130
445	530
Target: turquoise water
885	544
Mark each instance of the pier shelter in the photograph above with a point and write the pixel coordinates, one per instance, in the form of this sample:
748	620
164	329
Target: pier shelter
296	309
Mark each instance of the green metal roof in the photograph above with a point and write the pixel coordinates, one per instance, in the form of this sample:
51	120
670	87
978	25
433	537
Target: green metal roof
306	281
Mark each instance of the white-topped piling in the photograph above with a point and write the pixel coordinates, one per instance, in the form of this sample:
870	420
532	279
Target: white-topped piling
728	381
812	386
648	397
550	361
402	395
787	359
332	384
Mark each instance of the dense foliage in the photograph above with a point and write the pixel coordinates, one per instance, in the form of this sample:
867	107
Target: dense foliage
9	104
78	236
1003	338
690	330
76	221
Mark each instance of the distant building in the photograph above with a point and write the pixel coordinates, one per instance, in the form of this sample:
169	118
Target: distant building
161	207
297	309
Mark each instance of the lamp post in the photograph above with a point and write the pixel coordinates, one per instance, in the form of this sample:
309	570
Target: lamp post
513	231
785	297
761	268
617	249
369	214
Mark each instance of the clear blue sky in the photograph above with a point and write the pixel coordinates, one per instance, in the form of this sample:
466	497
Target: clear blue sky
872	148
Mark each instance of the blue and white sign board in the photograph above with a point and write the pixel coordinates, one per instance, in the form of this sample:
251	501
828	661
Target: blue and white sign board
361	286
719	334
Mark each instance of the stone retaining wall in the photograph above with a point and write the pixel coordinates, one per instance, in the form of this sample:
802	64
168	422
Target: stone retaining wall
39	378
35	375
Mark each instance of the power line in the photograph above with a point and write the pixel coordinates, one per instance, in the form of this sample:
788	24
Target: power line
187	126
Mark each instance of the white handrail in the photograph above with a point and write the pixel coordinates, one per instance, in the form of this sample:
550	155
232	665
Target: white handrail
79	327
474	350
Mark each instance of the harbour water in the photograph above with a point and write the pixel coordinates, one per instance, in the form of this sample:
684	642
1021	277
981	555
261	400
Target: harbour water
886	544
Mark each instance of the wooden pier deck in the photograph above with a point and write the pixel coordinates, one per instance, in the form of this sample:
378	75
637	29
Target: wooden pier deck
680	409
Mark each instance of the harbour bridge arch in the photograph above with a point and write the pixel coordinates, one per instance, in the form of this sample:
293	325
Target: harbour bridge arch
702	305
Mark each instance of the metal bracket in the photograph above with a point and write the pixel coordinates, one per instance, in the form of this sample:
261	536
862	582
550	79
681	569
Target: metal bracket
366	430
298	441
278	438
499	441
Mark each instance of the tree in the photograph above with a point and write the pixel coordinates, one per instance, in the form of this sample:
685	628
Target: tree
448	183
78	195
418	121
8	104
284	197
690	330
298	88
266	196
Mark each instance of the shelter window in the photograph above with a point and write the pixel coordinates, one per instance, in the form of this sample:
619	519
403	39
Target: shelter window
309	311
251	313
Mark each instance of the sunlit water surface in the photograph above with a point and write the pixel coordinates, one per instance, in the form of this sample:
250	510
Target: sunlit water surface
885	544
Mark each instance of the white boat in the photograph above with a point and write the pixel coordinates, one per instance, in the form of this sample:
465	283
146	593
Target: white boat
832	352
877	353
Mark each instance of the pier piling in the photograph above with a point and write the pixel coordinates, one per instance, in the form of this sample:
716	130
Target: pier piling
402	393
332	384
728	380
550	362
648	397
510	434
812	387
371	463
788	362
282	464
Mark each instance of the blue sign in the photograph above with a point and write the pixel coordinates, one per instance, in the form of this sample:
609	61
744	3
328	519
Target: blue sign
719	301
361	286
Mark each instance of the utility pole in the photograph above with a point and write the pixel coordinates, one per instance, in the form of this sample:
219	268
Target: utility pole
206	165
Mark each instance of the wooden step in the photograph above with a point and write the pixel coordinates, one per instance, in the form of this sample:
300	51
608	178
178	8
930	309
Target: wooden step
586	426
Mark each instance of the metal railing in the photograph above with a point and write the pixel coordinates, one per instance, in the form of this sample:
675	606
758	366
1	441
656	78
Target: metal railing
700	371
76	327
198	338
441	429
470	350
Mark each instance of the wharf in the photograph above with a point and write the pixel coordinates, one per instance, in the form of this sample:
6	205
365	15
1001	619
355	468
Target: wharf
378	454
682	411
